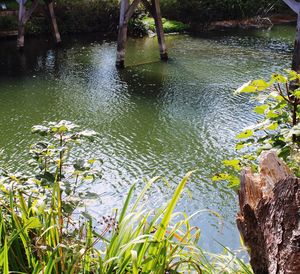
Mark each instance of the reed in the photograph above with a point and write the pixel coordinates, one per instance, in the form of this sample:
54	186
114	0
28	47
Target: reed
39	232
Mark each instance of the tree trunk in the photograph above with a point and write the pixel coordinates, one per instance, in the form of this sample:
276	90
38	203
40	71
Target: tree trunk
269	217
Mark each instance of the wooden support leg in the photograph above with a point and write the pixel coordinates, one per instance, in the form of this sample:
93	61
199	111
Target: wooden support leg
296	54
122	36
295	6
159	30
52	19
21	27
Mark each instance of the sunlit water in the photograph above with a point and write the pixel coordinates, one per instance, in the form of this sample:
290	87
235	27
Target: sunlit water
154	118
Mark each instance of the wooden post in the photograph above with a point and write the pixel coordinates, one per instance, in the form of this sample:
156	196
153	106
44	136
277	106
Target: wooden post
159	30
296	53
24	16
126	11
295	6
122	36
52	19
21	24
269	218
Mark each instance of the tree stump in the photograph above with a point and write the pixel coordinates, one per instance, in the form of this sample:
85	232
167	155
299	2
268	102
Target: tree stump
269	217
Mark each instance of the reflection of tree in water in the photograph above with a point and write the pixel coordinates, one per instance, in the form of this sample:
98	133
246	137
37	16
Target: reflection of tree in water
145	90
38	55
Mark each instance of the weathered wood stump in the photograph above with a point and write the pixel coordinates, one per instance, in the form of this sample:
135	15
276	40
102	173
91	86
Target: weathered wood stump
269	217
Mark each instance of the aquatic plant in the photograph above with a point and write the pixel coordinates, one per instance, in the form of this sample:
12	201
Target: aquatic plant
40	232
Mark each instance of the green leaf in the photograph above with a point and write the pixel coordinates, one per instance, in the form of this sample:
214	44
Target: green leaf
284	152
261	109
134	262
245	134
62	129
221	177
279	78
260	84
296	93
33	223
292	75
235	163
247	87
233	182
5	258
272	126
239	146
271	114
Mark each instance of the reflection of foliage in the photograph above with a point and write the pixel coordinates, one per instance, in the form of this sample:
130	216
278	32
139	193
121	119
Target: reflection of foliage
279	128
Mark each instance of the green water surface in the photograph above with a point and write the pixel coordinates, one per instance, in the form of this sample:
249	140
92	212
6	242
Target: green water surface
154	118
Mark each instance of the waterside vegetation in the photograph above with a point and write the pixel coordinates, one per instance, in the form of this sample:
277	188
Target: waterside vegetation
102	16
44	227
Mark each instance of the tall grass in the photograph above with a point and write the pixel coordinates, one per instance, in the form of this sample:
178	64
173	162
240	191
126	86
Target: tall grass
39	233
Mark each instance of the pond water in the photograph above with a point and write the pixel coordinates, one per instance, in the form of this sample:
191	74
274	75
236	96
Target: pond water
154	118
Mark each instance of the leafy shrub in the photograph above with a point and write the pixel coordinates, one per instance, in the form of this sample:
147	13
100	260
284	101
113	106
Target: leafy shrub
8	23
168	25
195	11
40	234
278	129
87	16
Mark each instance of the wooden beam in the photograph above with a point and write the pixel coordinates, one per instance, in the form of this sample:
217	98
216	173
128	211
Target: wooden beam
296	53
126	12
52	19
159	30
31	10
122	35
131	10
21	24
294	5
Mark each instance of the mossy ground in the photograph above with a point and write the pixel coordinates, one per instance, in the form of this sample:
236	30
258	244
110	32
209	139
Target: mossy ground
169	26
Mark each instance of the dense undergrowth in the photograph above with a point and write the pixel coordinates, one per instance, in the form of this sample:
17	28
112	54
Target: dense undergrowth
204	11
45	229
102	15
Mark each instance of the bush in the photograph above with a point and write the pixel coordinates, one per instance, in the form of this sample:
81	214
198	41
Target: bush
8	23
39	232
168	25
195	11
87	16
278	129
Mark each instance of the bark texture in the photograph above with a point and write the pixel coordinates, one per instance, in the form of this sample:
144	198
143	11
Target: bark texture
269	217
